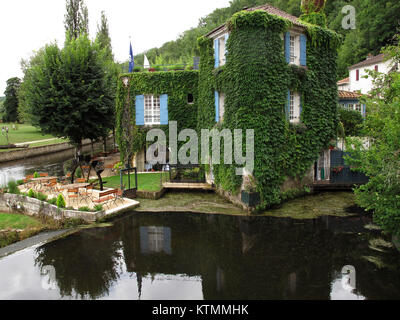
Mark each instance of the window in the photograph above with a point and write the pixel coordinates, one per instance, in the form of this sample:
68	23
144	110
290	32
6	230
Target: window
376	68
190	98
357	107
357	75
294	107
221	106
292	49
156	239
220	50
151	110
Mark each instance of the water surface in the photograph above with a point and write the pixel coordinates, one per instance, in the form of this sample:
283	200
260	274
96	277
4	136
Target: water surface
195	256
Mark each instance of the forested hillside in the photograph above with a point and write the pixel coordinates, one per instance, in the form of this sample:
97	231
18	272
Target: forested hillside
377	21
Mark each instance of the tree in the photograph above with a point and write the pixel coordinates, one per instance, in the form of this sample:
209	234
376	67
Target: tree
381	161
76	20
104	41
351	120
67	92
11	101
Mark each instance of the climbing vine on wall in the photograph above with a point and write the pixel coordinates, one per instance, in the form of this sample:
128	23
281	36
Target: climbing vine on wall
256	79
176	84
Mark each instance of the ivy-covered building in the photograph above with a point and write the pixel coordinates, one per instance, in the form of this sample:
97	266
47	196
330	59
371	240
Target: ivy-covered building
264	70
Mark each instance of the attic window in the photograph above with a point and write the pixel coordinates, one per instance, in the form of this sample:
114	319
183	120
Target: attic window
190	98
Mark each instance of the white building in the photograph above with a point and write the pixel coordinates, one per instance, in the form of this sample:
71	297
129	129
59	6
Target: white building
358	81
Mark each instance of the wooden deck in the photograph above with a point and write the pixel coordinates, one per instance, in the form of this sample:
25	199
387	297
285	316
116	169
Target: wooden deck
327	185
188	186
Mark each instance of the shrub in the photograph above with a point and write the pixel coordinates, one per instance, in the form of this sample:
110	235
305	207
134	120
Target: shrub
20	182
60	201
31	194
40	196
118	166
36	175
52	201
98	207
78	173
352	122
84	209
13	187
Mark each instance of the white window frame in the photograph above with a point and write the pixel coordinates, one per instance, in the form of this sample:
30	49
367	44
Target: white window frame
221	106
294	48
222	50
156	239
152	110
294	107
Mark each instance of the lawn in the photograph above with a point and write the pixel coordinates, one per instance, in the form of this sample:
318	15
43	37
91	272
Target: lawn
146	181
17	221
25	133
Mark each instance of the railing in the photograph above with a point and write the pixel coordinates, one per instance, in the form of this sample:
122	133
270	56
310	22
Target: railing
340	174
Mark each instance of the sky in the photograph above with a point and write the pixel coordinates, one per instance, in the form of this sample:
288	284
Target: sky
26	26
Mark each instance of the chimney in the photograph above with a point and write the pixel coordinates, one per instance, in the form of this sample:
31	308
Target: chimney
369	56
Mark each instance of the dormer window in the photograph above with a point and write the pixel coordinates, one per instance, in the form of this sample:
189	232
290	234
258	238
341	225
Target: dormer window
220	50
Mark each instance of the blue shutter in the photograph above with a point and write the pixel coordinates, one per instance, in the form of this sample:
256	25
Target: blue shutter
164	109
303	50
144	239
216	106
288	105
167	240
140	110
287	46
216	53
226	45
364	110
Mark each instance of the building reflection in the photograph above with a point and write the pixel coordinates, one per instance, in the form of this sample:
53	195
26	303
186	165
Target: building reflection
235	257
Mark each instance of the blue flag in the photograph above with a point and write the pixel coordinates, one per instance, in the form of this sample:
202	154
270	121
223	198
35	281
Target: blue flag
131	61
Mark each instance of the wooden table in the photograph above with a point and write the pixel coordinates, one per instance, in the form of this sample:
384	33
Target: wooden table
75	186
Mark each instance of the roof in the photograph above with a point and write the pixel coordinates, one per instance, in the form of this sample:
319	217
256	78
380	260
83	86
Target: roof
369	61
271	10
344	81
348	95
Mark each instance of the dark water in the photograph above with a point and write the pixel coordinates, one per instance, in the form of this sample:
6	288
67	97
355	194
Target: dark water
189	256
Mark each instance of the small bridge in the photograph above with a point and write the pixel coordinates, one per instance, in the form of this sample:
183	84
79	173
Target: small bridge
188	177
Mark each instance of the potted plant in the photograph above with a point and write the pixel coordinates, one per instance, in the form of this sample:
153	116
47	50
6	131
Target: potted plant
249	195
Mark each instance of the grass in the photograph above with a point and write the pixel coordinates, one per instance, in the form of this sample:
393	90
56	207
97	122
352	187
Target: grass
17	221
25	133
146	181
40	144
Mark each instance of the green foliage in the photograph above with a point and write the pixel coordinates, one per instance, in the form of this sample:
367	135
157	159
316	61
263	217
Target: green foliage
60	201
176	84
10	104
52	201
67	91
78	172
76	19
36	175
40	196
84	209
352	121
381	161
13	187
255	81
98	207
31	194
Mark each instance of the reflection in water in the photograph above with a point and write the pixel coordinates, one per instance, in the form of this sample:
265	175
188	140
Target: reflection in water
188	256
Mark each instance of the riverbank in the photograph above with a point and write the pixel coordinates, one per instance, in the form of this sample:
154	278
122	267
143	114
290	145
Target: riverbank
32	152
340	204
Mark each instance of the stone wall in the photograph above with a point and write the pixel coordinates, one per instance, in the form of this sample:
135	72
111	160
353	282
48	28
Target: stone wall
35	207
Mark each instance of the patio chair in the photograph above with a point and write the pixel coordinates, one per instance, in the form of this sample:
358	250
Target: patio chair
73	194
86	194
118	196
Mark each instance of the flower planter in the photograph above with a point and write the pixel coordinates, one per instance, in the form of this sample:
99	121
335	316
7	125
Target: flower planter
251	199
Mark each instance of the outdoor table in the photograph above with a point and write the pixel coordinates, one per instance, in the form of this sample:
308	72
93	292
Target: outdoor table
75	185
39	181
